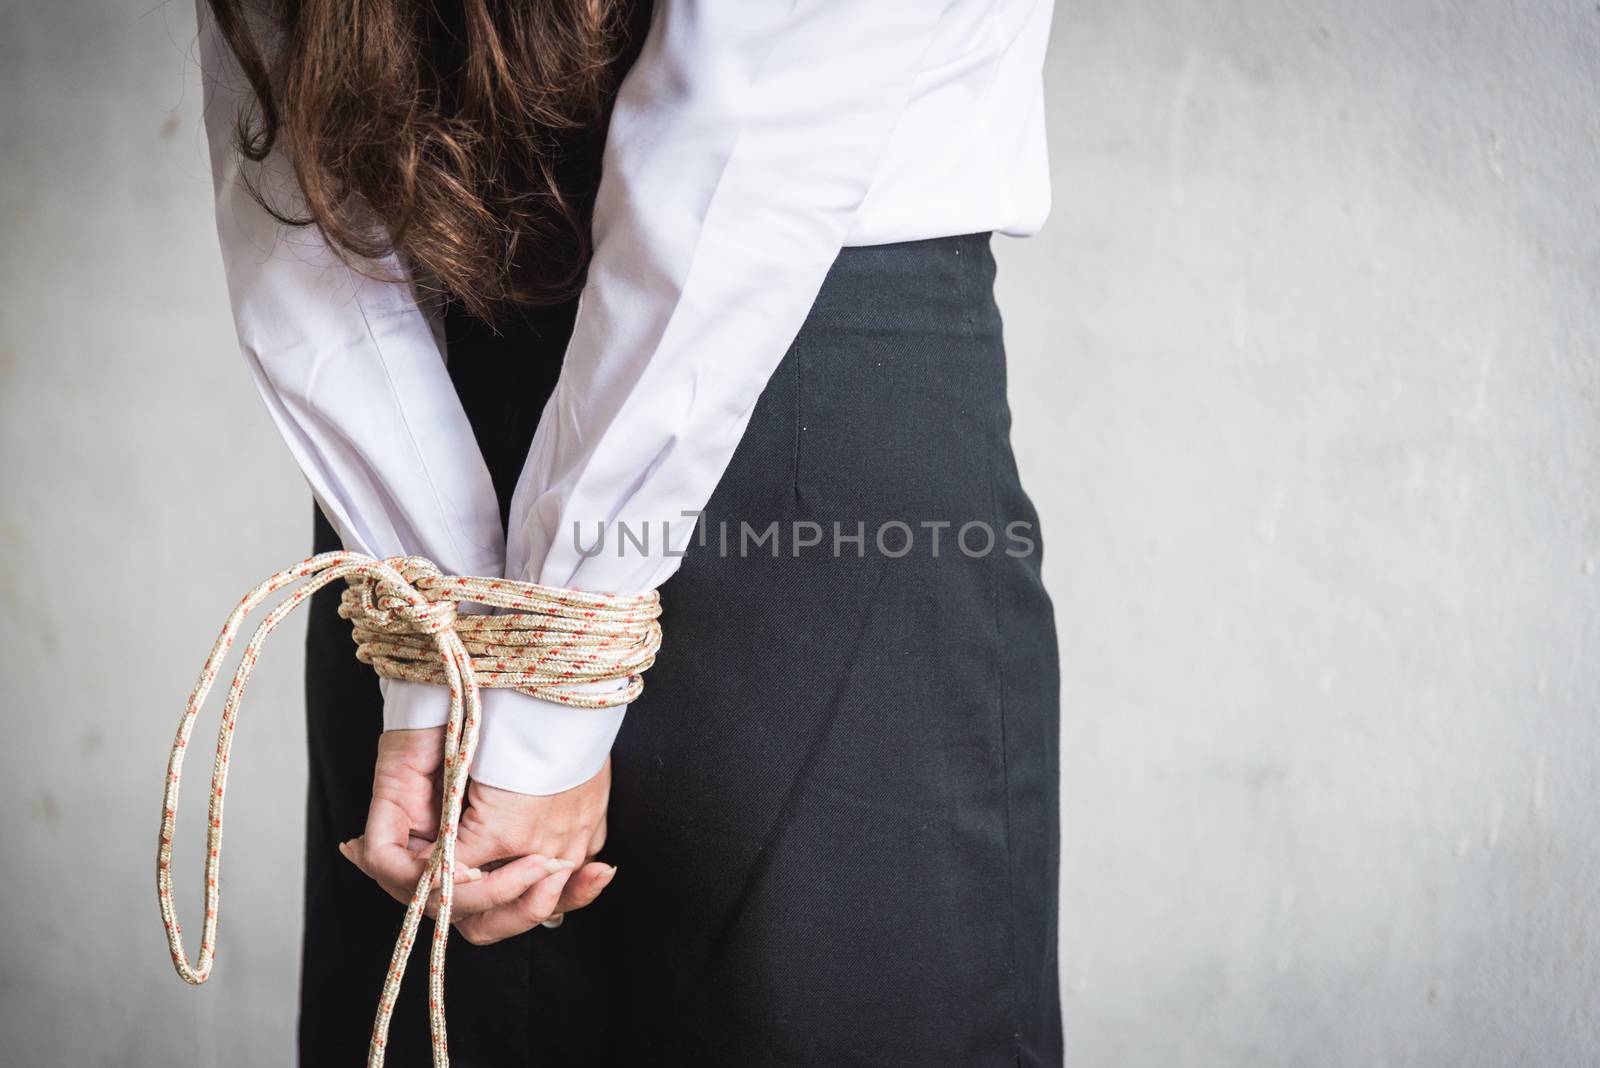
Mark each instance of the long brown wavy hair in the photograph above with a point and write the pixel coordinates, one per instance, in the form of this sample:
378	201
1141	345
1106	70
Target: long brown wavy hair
463	135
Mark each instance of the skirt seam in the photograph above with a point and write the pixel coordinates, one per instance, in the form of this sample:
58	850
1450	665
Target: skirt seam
799	417
962	275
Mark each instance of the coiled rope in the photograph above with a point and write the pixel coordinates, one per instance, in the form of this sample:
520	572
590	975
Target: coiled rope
547	642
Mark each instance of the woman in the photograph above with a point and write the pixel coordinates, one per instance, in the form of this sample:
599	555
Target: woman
827	832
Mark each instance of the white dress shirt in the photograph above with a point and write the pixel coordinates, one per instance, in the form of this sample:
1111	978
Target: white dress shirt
749	143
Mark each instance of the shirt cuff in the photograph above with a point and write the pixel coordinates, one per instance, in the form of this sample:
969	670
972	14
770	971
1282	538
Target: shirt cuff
525	744
534	746
412	706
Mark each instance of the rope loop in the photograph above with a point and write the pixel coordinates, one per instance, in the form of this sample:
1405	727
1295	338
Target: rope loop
562	645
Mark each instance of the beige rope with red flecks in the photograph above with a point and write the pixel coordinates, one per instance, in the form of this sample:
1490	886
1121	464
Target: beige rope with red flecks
548	642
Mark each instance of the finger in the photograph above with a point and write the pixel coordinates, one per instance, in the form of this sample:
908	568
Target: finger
523	914
382	848
585	885
395	868
499	887
390	865
422	848
387	823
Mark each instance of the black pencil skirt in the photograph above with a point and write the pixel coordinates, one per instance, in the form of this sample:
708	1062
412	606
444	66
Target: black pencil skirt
834	810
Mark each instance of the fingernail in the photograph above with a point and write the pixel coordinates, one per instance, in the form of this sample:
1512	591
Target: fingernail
607	875
557	865
474	874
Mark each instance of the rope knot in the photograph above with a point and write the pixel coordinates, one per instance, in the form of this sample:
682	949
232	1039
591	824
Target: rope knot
428	617
381	603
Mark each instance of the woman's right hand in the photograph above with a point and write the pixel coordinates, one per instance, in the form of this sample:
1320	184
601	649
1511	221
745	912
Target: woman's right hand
559	832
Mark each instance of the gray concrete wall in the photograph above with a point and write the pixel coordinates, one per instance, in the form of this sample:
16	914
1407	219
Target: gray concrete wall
1306	388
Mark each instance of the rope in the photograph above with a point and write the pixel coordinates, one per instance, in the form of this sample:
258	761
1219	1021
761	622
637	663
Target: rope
549	644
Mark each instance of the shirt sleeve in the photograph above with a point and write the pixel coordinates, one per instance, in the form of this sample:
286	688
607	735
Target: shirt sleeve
353	378
741	145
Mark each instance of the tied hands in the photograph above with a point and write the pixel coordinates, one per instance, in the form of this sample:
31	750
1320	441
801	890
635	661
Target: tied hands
521	859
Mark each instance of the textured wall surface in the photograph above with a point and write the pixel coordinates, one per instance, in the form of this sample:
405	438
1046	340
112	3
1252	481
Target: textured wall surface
1306	387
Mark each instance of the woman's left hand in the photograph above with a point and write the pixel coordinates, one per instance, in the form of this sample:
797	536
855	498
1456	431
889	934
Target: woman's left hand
403	817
